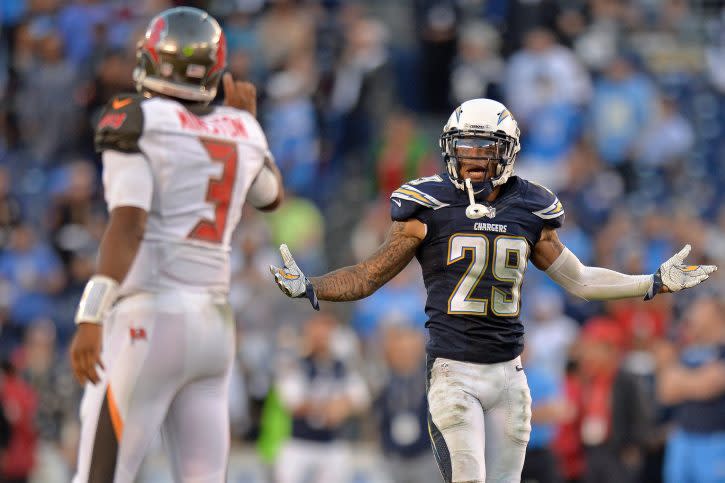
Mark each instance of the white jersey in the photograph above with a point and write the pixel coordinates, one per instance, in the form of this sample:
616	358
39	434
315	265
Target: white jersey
191	172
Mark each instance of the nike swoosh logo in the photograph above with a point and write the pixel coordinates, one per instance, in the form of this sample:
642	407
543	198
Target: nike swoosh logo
397	202
119	103
519	368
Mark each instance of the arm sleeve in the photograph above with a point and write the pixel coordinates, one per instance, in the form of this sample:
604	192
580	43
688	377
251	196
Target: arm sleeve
127	180
264	189
594	283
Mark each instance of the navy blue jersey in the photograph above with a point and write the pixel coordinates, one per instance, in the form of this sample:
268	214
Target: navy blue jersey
473	268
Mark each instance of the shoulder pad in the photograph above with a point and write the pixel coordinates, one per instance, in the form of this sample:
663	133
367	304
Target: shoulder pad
413	198
543	203
121	124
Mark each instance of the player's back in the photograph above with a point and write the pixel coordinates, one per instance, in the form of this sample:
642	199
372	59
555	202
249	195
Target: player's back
203	161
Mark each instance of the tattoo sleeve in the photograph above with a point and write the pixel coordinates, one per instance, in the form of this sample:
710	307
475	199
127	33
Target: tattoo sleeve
359	281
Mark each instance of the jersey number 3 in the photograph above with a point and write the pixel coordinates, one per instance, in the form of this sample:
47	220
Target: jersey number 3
218	192
509	264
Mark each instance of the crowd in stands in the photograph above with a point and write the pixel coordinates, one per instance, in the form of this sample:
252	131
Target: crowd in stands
622	109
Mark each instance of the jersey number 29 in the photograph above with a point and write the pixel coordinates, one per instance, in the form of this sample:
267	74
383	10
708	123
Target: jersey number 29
219	190
509	264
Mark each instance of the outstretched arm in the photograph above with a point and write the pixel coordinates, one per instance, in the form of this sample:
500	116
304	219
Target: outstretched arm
359	281
594	283
356	281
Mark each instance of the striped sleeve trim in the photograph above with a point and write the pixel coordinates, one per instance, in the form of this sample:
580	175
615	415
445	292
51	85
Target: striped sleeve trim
554	210
407	192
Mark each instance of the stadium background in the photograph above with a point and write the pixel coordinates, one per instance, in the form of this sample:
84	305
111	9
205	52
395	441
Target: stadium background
622	113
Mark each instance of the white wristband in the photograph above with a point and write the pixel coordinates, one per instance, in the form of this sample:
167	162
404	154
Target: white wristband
98	296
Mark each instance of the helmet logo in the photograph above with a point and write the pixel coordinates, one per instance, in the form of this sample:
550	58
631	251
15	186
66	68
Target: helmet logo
188	50
221	54
153	36
503	115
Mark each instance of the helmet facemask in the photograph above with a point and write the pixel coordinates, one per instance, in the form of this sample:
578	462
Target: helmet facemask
499	147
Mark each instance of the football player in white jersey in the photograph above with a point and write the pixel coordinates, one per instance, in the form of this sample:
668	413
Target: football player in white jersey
155	316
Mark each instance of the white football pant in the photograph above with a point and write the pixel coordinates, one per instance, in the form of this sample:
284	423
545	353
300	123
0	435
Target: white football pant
480	420
168	358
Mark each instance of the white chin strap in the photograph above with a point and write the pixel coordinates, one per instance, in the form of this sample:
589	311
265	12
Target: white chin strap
475	210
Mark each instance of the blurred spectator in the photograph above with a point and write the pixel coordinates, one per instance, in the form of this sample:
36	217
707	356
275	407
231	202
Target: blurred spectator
5	430
478	68
436	22
596	42
286	32
402	297
81	23
622	106
292	131
49	115
402	407
361	96
549	333
75	217
549	408
523	16
19	404
669	138
614	420
57	394
35	273
567	445
403	154
695	383
542	73
10	209
644	328
322	392
592	192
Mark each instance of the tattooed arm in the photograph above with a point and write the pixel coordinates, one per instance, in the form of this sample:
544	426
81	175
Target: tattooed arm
359	281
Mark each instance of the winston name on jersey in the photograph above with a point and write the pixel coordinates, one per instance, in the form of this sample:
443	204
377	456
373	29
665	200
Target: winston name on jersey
473	268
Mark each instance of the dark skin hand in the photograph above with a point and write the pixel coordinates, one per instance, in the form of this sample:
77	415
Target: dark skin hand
240	94
118	249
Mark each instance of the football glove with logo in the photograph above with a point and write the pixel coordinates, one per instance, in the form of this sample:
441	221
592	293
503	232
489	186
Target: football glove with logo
291	280
675	275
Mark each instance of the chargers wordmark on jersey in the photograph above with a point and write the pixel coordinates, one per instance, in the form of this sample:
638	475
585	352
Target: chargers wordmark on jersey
490	227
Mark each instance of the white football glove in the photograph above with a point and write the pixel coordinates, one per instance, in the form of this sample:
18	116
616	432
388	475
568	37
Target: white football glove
291	280
676	276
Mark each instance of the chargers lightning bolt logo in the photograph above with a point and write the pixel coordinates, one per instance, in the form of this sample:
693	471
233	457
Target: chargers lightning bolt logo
503	115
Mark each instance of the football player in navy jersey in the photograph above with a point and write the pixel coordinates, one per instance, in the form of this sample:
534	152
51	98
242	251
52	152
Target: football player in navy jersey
473	228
